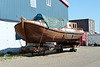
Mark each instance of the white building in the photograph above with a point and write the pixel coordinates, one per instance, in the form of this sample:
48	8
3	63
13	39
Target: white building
8	42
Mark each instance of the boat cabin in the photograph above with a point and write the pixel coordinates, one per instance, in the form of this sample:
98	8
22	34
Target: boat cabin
71	25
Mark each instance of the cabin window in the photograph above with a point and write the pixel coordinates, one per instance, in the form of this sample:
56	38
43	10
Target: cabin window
73	26
69	25
33	3
48	2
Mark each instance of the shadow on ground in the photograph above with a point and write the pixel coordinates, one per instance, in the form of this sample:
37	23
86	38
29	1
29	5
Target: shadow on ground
41	54
29	54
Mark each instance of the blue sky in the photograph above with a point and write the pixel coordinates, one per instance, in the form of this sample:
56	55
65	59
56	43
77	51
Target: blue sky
83	9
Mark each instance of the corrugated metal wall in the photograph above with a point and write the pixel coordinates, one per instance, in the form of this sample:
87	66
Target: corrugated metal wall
9	9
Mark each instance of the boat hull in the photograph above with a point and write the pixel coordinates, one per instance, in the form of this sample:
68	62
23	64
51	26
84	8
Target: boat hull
34	33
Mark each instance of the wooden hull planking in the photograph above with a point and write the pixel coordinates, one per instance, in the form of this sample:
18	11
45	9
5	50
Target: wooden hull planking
34	33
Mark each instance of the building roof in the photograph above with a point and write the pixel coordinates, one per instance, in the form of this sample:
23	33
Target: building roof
80	19
65	2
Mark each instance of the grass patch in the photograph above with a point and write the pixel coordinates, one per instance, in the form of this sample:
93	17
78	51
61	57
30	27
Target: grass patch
9	57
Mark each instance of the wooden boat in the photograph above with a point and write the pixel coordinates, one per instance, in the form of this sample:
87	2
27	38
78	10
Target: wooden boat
38	32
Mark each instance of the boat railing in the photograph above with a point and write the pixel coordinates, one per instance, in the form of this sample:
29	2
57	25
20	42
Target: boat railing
38	22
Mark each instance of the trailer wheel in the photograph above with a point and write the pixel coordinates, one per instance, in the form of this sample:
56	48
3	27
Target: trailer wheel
95	44
58	50
73	50
61	50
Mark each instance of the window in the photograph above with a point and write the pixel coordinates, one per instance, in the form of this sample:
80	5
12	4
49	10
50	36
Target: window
33	3
73	26
48	2
70	25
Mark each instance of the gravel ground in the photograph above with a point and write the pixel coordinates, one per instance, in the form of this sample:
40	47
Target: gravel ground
84	57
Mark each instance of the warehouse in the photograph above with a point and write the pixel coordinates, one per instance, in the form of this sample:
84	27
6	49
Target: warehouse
28	9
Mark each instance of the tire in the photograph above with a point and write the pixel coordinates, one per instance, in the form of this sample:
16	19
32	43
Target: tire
58	50
61	50
73	50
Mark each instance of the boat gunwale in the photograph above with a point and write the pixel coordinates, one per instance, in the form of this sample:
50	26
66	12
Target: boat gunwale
60	31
